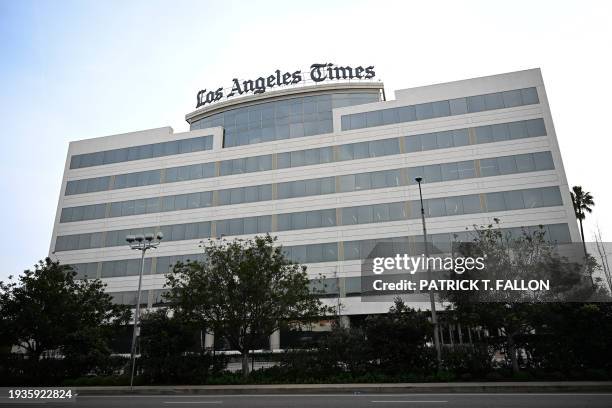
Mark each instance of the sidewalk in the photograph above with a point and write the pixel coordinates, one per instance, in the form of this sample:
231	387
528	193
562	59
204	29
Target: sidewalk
436	388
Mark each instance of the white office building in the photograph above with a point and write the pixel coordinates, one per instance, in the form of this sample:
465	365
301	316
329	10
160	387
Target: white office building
327	167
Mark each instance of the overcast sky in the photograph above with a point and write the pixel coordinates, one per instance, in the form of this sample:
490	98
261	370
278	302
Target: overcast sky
82	69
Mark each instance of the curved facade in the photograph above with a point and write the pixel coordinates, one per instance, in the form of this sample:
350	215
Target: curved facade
329	169
282	115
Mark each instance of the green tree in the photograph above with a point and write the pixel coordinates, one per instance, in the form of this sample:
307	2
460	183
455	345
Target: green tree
515	258
172	352
48	313
244	291
582	201
571	337
398	339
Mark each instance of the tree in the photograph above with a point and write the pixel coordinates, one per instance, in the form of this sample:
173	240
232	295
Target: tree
48	312
571	337
244	291
172	352
398	339
529	256
582	201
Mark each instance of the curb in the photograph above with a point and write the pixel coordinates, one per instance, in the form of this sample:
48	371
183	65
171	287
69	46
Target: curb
407	388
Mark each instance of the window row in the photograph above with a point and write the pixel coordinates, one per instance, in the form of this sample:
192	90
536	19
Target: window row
459	106
322	287
130	298
362	249
351	151
495	166
434	207
326	185
326	252
148	151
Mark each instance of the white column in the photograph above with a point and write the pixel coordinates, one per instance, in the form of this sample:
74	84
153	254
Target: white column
275	340
209	340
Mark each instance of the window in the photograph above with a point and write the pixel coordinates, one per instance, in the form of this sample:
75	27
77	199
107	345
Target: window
543	161
512	98
441	109
495	202
350	216
499	132
535	127
413	143
454	205
361	150
389	116
471	204
313	219
466	169
458	106
514	200
494	101
428	141
406	113
180	202
311	157
444	139
559	233
529	96
489	167
380	212
551	196
524	163
358	121
435	207
517	130
460	137
449	171
347	183
507	165
374	118
432	174
397	211
365	214
363	181
424	111
345	152
476	103
532	198
484	134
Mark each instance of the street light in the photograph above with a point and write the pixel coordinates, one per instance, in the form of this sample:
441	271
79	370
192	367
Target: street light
141	243
432	301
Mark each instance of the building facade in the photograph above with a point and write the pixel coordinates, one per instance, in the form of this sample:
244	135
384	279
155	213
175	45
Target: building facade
327	168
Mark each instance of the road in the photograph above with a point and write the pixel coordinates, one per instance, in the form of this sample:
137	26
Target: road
511	400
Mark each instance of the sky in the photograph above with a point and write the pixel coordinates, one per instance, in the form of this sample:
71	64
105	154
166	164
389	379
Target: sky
72	70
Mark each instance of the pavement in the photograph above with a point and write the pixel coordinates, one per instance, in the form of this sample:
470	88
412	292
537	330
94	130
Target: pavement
429	400
448	387
445	395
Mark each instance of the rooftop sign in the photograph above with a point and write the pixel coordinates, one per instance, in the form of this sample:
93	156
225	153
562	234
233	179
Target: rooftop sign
318	73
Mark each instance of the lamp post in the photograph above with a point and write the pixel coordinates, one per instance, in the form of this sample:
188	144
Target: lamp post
140	243
432	301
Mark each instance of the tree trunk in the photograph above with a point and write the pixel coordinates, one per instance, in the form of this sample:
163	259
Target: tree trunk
586	255
582	236
512	353
245	364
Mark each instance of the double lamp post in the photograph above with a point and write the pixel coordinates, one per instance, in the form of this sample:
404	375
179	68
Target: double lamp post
140	243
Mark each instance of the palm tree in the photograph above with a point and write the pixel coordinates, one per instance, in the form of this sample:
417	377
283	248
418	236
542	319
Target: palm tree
582	201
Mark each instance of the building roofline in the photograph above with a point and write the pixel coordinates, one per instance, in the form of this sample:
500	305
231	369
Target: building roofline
280	94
